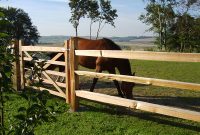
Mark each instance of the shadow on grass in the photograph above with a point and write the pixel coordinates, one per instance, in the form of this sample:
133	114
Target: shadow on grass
158	118
191	103
99	85
102	84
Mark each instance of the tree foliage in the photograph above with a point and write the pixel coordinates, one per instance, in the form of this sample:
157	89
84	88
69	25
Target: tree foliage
107	15
6	59
78	10
93	13
99	11
174	23
20	25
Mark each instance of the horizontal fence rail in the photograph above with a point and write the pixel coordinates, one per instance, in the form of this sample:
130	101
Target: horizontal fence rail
46	81
142	80
60	63
53	92
134	104
43	49
141	55
55	73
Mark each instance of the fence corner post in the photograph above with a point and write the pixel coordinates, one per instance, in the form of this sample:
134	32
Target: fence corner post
67	72
16	67
21	59
74	79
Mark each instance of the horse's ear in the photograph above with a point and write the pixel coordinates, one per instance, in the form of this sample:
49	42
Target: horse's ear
133	74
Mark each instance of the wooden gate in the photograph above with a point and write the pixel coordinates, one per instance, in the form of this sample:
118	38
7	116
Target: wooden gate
59	89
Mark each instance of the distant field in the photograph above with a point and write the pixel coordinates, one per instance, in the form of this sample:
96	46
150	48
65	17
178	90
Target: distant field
128	44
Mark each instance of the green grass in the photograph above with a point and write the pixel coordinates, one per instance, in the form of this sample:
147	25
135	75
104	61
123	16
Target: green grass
94	118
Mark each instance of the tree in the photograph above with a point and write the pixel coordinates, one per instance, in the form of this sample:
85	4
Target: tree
6	59
97	11
160	15
78	10
174	22
107	15
93	13
20	26
4	25
187	33
185	22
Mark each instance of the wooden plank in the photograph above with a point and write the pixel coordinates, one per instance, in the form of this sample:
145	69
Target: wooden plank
142	55
27	54
27	59
50	91
60	63
63	85
16	79
22	72
154	108
94	53
142	80
43	49
67	72
55	73
54	83
53	59
73	77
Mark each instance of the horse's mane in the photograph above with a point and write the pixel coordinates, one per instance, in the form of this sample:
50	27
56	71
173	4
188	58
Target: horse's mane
112	44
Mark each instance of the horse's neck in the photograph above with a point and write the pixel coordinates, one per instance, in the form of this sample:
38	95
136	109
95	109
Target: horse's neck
124	67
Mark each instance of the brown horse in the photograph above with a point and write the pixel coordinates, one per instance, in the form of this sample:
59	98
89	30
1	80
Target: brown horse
105	64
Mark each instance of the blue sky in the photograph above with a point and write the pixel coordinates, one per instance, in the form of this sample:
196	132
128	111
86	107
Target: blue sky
52	18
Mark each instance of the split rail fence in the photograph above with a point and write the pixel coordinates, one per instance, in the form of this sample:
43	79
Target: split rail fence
71	74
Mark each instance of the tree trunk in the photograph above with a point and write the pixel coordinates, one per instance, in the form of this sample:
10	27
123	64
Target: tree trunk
165	36
160	29
76	31
181	49
98	31
91	29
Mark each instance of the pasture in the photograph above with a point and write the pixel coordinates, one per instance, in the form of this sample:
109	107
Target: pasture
94	118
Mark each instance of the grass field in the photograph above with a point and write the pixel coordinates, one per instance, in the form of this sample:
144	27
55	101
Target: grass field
94	118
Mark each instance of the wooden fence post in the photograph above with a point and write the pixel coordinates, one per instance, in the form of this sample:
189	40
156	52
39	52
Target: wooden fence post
74	79
67	72
21	65
16	67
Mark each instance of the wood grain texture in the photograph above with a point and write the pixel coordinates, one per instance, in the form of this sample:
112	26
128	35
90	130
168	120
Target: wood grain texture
140	105
142	55
142	80
21	58
73	78
43	49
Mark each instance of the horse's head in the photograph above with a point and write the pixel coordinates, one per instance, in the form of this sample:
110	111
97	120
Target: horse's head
127	87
